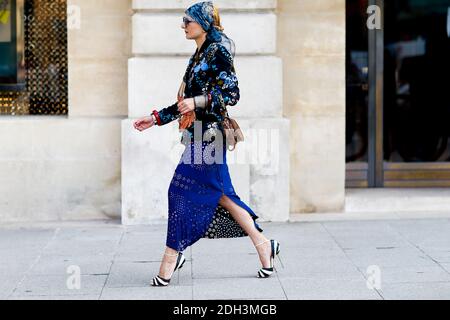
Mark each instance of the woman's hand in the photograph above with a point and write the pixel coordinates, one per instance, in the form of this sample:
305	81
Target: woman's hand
143	123
186	105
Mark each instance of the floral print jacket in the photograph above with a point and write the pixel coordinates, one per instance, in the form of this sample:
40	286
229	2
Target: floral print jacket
212	77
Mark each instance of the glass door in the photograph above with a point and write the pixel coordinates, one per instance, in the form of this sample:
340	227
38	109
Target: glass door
408	107
357	95
416	111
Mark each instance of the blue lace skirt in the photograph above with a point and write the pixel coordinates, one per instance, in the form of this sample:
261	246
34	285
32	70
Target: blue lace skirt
199	181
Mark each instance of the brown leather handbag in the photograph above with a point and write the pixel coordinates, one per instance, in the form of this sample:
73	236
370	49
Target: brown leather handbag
233	132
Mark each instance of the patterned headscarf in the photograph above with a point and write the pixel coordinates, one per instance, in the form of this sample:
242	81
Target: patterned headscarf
203	14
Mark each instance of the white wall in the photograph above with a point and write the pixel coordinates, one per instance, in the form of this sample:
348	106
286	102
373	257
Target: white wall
311	36
58	167
161	53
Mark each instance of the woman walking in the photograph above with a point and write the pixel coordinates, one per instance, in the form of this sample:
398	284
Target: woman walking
202	199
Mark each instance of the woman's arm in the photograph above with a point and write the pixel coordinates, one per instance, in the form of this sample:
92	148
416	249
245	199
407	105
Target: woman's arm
167	114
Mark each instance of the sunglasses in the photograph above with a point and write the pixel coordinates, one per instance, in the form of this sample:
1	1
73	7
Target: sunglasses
186	21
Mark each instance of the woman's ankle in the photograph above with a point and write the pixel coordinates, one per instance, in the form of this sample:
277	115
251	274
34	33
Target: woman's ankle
170	252
260	241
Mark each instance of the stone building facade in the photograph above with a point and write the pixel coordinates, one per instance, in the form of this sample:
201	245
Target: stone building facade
127	58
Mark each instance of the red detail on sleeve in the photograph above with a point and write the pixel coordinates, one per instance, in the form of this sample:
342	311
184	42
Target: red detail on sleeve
158	119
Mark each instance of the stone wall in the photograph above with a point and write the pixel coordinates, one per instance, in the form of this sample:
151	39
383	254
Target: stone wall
161	53
311	36
128	57
61	168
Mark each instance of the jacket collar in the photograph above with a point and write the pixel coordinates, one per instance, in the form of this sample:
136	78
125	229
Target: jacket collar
193	61
205	44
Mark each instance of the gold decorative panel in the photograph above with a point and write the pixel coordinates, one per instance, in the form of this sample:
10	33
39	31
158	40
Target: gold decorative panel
44	59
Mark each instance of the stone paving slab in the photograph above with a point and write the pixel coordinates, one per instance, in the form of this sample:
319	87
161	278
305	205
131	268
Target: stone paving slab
225	266
389	257
47	297
414	274
328	289
132	274
8	283
56	285
322	260
58	265
295	265
416	291
171	292
243	287
446	266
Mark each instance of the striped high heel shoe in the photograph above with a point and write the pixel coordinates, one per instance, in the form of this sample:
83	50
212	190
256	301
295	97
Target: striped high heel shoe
159	281
274	252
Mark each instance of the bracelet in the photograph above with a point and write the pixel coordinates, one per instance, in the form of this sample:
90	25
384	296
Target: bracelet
156	115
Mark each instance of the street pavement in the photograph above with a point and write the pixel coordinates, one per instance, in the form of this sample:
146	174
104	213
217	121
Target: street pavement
357	259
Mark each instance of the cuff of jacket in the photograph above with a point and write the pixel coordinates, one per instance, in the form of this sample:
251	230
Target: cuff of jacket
202	101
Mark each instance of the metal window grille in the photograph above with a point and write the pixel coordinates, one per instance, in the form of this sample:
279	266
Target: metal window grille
45	61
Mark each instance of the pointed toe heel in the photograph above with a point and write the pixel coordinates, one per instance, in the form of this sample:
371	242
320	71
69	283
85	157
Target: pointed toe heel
274	251
159	281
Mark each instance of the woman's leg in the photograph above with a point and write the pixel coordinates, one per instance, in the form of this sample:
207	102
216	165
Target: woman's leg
168	263
246	222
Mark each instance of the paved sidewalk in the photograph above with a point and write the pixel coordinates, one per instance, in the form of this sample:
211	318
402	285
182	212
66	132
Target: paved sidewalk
399	259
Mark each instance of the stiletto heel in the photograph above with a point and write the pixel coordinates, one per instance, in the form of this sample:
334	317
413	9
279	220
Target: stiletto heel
281	262
181	265
274	251
159	281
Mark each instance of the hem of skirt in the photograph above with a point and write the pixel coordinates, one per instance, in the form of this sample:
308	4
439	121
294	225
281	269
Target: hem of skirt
248	209
168	245
241	204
